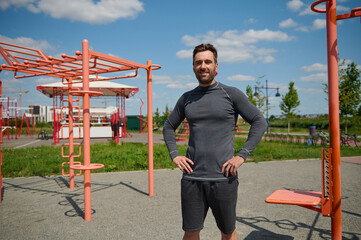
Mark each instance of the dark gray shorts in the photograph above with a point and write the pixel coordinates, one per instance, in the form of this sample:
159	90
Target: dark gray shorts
198	196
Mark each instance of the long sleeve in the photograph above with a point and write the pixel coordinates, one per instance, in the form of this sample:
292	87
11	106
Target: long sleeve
170	126
253	116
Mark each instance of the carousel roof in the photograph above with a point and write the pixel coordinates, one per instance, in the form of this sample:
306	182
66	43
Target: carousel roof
108	88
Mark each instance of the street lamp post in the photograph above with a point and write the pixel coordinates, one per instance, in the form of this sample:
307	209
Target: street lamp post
277	95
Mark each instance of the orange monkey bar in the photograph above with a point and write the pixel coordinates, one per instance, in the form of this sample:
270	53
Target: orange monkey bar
27	62
333	205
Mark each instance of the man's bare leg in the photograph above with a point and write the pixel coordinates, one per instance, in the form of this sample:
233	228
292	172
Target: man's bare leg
191	235
232	236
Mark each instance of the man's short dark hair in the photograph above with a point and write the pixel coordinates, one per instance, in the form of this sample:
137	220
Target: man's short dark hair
206	47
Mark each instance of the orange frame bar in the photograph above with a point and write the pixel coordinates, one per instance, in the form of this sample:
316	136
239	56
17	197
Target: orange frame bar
35	63
333	105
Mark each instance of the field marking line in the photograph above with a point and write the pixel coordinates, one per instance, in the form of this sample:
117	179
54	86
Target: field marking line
27	144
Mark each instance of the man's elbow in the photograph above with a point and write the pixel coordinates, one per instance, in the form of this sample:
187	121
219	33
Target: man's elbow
261	122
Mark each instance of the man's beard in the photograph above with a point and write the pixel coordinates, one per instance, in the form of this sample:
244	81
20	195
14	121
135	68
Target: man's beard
207	80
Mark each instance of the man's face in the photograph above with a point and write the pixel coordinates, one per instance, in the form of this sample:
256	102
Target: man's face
205	68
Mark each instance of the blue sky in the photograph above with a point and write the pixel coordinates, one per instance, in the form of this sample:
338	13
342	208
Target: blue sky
283	40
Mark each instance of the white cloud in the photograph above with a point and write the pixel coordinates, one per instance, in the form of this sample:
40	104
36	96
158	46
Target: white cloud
42	45
46	80
316	67
235	46
182	86
288	23
307	10
318	77
162	79
250	21
302	29
319	24
295	5
185	53
88	11
240	77
4	4
181	82
310	90
253	36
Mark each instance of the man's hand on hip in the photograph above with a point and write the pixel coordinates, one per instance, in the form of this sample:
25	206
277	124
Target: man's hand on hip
231	166
183	164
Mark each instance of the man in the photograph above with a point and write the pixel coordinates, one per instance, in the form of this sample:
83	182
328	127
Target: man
210	167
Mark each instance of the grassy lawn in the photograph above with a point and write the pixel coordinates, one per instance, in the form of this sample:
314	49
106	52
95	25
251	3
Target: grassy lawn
47	160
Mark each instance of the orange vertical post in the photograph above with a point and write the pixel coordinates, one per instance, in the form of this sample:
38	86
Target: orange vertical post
334	122
86	132
150	129
71	135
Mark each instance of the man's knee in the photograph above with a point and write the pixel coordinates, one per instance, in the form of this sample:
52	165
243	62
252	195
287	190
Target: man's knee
232	236
191	235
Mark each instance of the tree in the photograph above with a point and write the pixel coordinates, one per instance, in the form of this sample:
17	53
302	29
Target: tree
165	113
157	118
249	93
289	103
260	97
349	85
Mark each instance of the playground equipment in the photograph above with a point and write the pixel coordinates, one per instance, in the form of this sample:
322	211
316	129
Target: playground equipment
330	198
20	92
182	133
238	125
141	120
108	89
26	62
9	110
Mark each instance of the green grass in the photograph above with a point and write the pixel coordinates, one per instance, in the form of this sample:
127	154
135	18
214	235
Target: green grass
47	160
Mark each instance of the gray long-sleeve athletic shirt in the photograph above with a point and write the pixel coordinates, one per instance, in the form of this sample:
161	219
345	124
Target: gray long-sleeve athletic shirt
212	114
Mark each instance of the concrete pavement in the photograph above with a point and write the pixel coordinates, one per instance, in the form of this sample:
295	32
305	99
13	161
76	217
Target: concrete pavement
45	208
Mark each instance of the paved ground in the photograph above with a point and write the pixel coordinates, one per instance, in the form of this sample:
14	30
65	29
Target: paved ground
45	208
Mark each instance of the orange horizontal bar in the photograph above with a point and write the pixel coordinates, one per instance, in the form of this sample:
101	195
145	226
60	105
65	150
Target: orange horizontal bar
12	45
116	60
356	12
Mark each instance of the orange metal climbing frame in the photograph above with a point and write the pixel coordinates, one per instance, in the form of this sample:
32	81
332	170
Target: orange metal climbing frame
330	198
26	62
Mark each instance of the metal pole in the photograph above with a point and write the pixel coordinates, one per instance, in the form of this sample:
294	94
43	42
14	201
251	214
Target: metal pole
86	132
150	128
267	104
331	25
71	134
